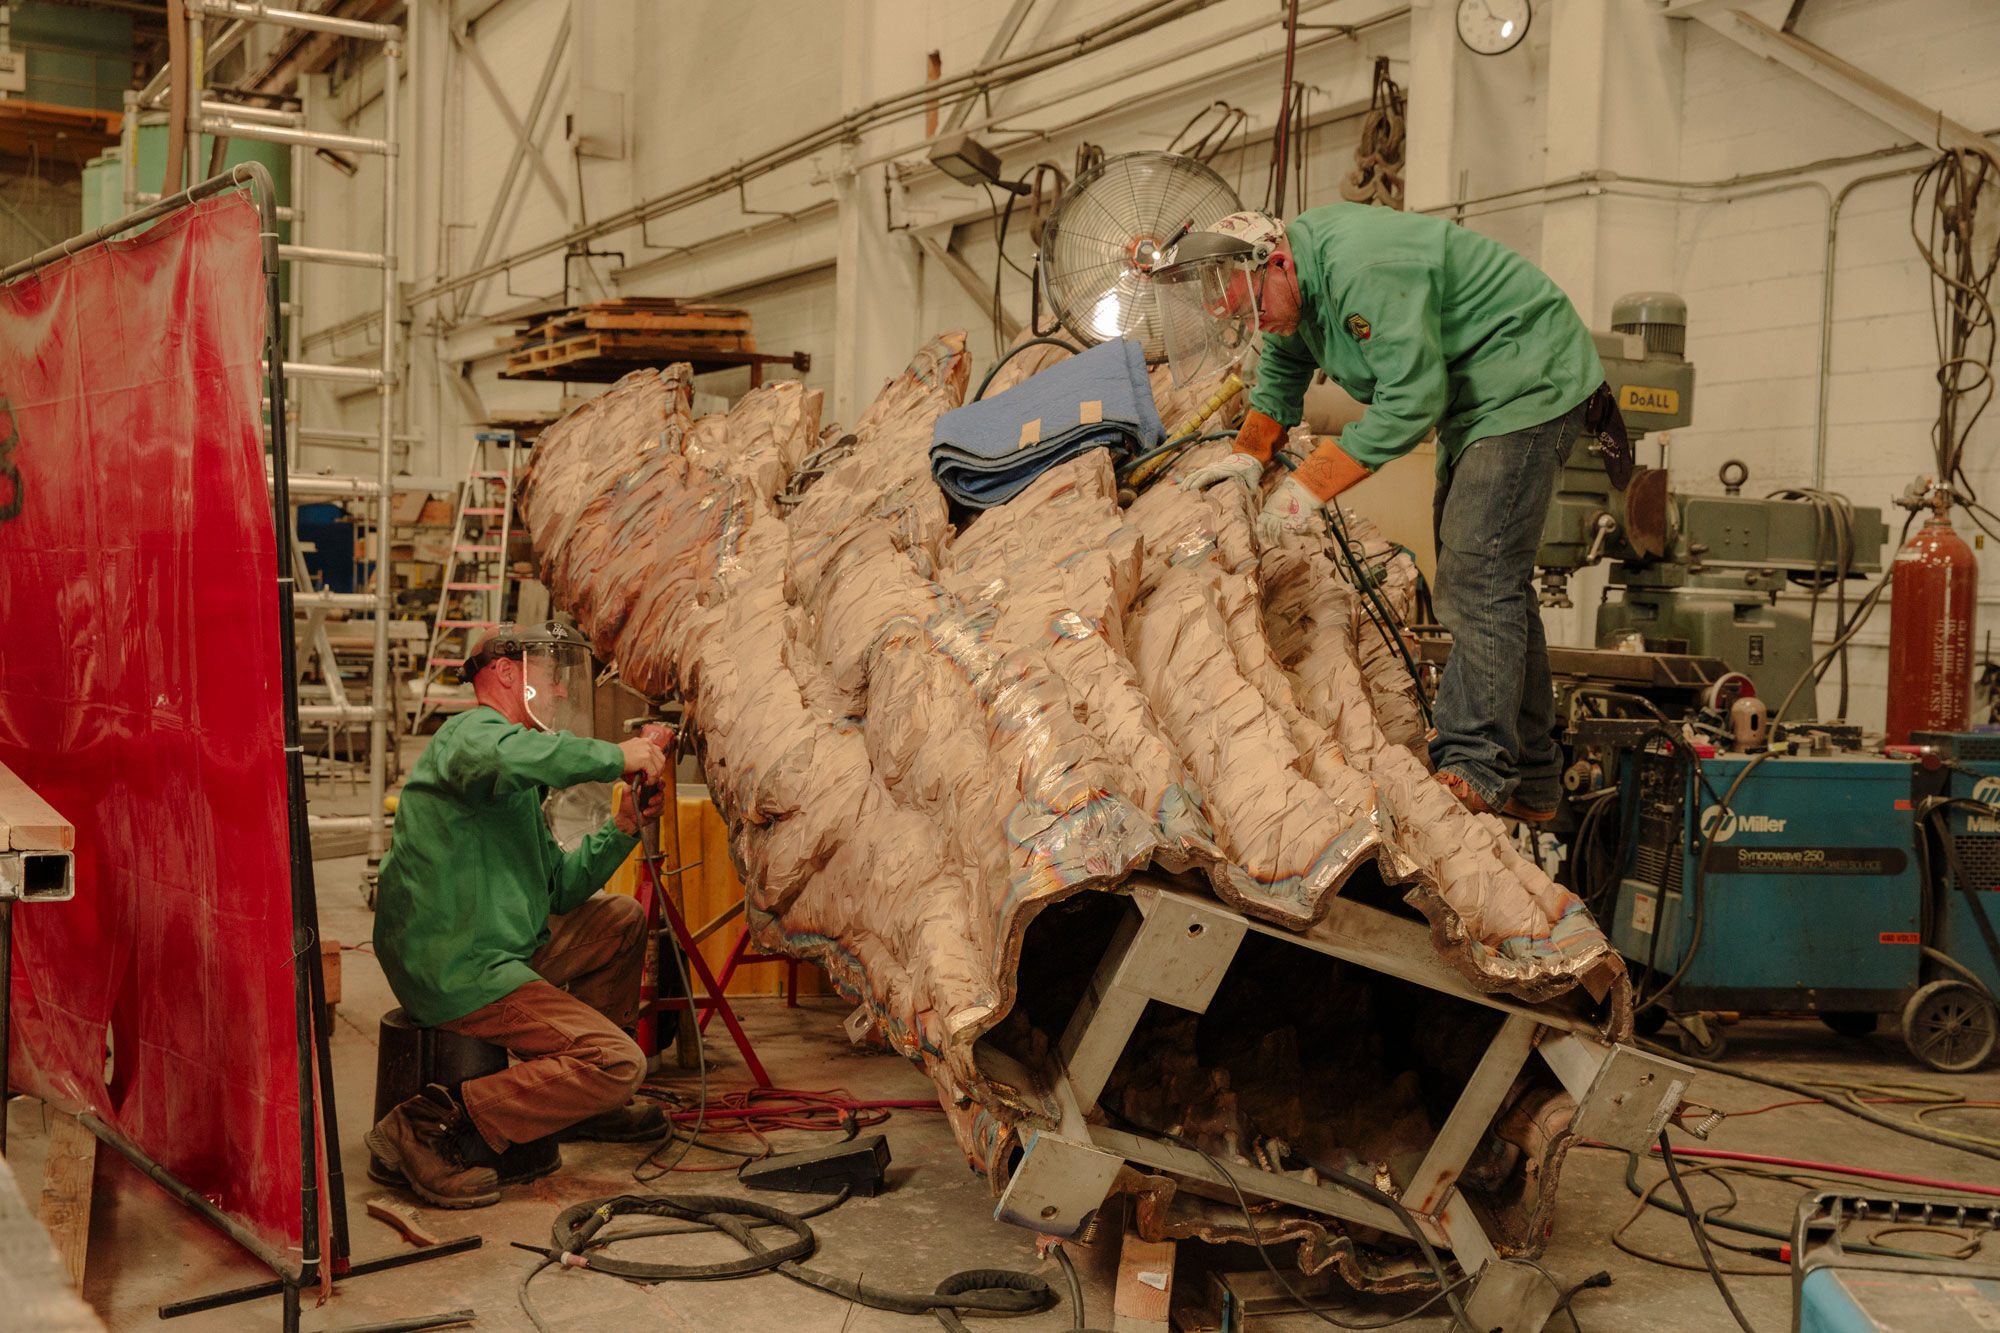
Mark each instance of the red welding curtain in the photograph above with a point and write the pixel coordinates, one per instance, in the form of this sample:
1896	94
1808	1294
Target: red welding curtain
140	694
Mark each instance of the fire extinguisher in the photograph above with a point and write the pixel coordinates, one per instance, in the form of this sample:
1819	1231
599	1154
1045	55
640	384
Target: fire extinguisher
1930	630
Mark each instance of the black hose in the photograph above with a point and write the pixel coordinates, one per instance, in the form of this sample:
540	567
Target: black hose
1701	1236
1022	346
1386	621
1132	465
576	1230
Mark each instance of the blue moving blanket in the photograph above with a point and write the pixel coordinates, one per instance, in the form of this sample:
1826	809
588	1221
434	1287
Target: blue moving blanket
986	453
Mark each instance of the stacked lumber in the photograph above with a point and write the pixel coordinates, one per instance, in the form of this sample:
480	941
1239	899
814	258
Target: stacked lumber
631	331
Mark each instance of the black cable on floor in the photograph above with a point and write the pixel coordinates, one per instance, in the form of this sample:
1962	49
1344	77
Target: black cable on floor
577	1228
1843	1104
1701	1236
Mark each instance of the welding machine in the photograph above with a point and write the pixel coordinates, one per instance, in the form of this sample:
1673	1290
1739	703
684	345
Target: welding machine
1816	896
1841	1283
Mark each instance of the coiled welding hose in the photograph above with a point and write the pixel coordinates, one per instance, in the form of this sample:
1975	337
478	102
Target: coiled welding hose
986	1291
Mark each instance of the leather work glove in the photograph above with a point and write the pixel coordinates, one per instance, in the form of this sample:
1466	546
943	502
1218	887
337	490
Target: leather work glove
1256	439
1237	467
1292	509
1298	503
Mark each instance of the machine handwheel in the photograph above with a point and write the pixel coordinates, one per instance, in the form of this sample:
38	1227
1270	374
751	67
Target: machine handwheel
1950	1026
1851	1022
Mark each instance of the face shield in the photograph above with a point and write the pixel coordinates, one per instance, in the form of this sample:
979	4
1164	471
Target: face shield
1208	314
558	687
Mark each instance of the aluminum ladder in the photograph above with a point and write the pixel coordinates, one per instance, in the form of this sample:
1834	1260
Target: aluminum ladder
481	531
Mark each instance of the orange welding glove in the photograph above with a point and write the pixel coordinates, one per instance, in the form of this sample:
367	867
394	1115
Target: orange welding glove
1259	436
1328	471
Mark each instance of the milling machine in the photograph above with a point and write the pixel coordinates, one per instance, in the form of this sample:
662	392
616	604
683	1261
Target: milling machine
1698	575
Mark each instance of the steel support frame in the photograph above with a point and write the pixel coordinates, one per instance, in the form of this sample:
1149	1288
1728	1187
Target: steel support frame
1853	85
524	148
1173	947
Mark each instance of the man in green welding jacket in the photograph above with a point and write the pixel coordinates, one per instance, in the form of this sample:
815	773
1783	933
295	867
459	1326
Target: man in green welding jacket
487	928
1433	327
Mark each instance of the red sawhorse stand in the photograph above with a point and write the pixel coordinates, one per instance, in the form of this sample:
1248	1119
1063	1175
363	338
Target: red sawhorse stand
739	954
654	898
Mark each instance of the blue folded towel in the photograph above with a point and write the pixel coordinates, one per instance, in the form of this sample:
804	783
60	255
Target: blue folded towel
986	453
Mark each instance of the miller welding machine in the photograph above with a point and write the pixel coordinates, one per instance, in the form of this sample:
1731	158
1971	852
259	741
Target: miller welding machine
1838	883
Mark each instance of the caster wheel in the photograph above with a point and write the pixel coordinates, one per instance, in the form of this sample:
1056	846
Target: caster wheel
1649	1023
1950	1026
1851	1023
1711	1049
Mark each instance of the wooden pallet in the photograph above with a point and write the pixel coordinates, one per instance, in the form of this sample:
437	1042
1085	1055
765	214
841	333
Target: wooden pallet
620	346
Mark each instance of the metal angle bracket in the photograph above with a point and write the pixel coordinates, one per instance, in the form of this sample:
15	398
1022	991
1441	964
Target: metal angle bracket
1057	1184
1182	949
1623	1094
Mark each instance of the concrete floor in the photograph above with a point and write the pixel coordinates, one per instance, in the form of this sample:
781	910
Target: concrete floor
936	1217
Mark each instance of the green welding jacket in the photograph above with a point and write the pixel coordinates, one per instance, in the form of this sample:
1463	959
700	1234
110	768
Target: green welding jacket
473	874
1430	325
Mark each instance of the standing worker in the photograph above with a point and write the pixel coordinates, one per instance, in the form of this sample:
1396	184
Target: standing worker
1433	327
487	928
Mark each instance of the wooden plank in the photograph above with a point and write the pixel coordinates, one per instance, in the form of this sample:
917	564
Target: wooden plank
32	1282
66	1190
27	822
663	323
1145	1289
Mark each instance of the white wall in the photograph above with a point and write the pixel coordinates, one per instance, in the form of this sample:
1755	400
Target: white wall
1539	147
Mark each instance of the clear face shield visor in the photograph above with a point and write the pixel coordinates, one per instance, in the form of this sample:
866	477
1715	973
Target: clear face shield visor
558	687
1208	315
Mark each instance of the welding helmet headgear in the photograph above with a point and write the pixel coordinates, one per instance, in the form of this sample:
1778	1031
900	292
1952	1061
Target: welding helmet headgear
558	677
1207	293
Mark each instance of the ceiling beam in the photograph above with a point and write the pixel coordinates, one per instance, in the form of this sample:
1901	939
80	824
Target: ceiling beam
1857	87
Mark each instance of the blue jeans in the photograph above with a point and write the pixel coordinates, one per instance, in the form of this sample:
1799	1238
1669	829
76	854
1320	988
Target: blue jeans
1495	711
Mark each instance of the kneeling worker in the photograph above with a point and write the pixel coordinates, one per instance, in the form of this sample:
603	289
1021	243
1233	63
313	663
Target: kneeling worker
487	928
1433	327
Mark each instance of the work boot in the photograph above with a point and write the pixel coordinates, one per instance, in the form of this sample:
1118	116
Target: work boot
635	1122
430	1140
1516	808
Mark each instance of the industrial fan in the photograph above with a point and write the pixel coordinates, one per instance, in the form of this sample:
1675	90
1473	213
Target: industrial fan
1112	227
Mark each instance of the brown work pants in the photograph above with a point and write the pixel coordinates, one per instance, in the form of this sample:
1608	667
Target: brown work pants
568	1031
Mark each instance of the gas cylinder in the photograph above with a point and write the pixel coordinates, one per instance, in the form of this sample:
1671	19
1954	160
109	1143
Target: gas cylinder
1930	632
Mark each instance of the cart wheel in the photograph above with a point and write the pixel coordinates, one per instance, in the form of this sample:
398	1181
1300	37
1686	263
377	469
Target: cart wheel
1851	1022
1711	1049
1648	1022
1950	1026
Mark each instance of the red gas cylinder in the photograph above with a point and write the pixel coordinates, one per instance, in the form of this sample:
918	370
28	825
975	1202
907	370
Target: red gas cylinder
1930	632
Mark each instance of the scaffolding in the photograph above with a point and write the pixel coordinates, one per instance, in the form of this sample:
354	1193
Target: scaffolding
207	113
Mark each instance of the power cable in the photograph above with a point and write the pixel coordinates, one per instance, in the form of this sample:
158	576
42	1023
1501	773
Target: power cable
1846	1105
1701	1236
1962	260
1722	813
1385	619
1015	351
